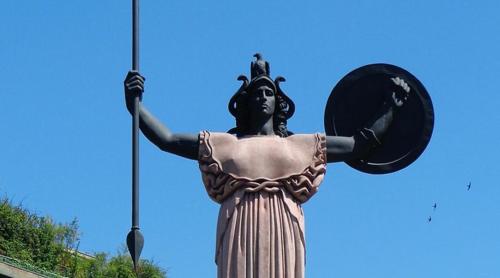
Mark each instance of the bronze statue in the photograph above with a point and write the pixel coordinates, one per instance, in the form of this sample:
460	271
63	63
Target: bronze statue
260	172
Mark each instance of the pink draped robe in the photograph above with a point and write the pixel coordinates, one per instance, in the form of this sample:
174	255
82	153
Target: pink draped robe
260	182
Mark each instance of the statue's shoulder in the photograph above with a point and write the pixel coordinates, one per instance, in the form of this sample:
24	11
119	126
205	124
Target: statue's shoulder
313	143
313	137
219	138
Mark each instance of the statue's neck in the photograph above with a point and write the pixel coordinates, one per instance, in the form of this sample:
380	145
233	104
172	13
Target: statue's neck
261	126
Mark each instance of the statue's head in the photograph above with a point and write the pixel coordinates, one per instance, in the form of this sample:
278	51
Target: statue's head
261	97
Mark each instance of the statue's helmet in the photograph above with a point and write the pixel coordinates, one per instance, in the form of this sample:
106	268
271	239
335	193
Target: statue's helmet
260	75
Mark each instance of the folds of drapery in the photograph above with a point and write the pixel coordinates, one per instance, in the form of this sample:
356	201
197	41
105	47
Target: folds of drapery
260	230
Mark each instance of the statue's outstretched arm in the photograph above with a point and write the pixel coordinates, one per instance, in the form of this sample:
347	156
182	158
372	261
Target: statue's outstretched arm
185	145
341	148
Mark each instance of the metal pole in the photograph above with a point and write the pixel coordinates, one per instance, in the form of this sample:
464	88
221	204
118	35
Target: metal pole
135	240
135	120
135	35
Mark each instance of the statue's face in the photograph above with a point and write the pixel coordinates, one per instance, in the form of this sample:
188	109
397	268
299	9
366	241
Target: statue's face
262	101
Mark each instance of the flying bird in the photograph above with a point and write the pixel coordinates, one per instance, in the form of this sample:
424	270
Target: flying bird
435	206
468	186
429	219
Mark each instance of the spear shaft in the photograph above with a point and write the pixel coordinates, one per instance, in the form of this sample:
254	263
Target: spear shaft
135	120
135	240
135	35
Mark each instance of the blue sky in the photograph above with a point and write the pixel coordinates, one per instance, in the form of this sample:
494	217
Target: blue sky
65	141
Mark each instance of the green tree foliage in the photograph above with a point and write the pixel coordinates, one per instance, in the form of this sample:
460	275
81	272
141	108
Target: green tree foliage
120	266
44	244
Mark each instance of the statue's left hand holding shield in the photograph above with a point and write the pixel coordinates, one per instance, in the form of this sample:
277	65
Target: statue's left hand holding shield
185	145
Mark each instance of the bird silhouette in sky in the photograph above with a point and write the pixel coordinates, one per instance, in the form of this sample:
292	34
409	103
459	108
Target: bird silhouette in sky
434	206
429	219
468	186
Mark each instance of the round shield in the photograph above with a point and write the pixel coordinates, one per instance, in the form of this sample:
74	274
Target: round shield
357	98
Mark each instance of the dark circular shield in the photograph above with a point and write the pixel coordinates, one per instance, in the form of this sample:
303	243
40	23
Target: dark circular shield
357	98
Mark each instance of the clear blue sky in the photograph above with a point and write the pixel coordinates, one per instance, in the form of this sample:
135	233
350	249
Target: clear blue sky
65	133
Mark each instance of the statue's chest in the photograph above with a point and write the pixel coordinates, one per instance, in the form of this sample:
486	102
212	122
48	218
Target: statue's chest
262	158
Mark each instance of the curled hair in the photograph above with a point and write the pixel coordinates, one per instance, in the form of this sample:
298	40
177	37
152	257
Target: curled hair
279	117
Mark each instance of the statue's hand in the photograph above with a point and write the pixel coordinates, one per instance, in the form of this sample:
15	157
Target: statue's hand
134	86
399	92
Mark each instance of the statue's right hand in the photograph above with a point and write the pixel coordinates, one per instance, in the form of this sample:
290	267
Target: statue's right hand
134	87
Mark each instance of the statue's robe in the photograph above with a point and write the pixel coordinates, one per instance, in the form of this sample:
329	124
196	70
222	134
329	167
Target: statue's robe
261	182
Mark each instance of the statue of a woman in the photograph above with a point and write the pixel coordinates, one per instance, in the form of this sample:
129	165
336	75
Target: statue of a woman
260	173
